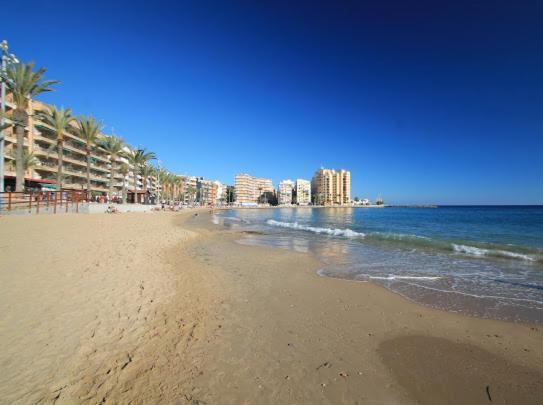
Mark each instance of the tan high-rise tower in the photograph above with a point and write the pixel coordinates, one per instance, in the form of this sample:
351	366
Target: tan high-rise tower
331	187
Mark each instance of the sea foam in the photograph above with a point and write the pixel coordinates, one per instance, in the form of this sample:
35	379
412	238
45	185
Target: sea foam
346	233
475	251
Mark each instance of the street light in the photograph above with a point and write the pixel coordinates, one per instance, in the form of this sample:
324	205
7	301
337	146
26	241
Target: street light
6	58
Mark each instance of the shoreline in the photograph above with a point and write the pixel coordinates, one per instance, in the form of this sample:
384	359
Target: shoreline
464	299
229	323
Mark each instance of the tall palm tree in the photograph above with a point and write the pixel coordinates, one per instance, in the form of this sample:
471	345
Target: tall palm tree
173	182
146	171
124	169
191	191
23	83
60	120
162	176
137	159
177	184
113	146
88	129
29	160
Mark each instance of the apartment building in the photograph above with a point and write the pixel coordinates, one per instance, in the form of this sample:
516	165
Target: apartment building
40	142
206	192
253	190
285	192
302	192
220	197
331	187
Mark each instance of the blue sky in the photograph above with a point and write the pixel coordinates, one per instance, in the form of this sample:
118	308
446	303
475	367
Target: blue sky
422	101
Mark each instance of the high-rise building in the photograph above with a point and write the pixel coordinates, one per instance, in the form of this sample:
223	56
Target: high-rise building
253	190
285	191
40	143
331	187
303	192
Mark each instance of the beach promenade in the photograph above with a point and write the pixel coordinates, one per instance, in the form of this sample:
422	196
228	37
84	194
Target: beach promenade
166	307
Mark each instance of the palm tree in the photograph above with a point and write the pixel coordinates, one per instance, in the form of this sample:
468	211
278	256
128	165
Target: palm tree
146	171
23	83
138	158
60	120
162	176
114	147
124	169
29	160
88	129
191	191
178	187
175	183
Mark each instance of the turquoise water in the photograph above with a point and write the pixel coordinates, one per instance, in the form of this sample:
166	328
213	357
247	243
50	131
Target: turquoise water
481	261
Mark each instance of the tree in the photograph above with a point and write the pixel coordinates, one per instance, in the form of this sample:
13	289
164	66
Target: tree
24	83
29	160
146	171
59	120
191	191
114	147
124	169
163	177
88	129
138	158
176	184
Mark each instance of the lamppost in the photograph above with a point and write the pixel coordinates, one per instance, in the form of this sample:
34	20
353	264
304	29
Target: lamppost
6	58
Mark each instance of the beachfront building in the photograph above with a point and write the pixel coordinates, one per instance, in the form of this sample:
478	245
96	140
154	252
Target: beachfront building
220	197
193	189
331	187
285	192
41	157
253	190
302	192
40	146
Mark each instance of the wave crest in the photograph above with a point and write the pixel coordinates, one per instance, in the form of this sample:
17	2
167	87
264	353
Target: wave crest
346	233
475	251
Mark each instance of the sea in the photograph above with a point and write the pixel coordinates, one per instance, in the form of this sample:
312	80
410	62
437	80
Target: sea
484	261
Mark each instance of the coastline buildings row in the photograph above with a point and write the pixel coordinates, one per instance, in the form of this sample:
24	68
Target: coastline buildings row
41	163
327	187
40	148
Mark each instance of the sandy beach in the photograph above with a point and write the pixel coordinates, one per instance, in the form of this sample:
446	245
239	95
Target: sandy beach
168	308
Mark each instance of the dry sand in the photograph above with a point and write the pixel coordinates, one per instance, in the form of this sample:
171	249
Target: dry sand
149	308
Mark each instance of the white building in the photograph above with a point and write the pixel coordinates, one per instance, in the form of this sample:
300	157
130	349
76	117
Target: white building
284	195
220	196
303	192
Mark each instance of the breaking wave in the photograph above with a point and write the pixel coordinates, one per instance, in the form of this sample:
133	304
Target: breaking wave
418	241
347	233
475	251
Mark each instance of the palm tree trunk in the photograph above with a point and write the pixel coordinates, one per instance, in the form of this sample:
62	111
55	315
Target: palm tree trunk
60	153
20	118
111	179
123	196
19	150
145	190
135	186
88	174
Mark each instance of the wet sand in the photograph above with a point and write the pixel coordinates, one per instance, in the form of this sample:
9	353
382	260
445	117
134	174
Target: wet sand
169	308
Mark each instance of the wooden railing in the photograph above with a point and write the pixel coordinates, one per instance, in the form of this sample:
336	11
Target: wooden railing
51	202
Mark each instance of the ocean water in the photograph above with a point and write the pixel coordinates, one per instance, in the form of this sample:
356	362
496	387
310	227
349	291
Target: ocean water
482	261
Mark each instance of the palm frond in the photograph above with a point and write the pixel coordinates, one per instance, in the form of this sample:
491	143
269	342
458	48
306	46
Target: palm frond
25	83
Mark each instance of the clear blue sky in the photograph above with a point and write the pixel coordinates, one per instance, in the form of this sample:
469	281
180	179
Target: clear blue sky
439	102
